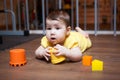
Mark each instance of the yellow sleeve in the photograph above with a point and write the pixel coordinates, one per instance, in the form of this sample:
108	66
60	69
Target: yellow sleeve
76	39
86	43
44	42
71	42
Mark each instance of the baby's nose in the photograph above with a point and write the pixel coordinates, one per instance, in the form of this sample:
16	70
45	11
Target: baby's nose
52	31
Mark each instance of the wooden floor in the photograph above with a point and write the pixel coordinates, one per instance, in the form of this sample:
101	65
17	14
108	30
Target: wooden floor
105	48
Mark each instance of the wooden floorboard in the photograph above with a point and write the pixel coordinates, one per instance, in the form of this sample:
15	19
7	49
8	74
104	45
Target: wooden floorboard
105	48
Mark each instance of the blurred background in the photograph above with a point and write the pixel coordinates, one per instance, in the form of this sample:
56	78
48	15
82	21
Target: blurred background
19	17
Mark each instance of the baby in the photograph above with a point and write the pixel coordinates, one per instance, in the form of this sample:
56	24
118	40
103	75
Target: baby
67	43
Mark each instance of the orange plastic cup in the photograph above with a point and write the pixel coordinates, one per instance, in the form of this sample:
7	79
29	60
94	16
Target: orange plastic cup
17	57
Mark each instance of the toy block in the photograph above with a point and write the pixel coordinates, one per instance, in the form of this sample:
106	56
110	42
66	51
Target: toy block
87	60
55	59
97	65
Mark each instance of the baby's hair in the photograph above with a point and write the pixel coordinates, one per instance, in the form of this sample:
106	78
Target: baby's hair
60	15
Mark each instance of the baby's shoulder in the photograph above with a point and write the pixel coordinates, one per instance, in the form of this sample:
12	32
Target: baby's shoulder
75	34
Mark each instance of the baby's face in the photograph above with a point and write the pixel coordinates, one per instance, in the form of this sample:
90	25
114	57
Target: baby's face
56	31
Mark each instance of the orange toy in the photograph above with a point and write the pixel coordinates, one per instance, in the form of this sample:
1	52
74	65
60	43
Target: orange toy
87	60
56	59
17	57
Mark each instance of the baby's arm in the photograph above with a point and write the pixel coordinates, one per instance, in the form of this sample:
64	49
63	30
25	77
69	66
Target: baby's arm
73	54
41	52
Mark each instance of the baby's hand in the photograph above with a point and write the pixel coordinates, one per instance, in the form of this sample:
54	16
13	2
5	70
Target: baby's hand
42	52
61	50
49	50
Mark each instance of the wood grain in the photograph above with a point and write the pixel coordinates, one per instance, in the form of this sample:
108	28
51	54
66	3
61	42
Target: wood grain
105	48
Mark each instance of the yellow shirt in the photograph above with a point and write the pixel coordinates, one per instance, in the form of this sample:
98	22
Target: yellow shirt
73	40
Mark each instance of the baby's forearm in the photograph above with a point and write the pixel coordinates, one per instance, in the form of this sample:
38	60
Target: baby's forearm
74	58
38	55
74	55
38	52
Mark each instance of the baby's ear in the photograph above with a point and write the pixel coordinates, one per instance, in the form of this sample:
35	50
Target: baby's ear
68	30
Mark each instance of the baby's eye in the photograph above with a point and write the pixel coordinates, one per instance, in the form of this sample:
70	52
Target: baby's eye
57	28
48	28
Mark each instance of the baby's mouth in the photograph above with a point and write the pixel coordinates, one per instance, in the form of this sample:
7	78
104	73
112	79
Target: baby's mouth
53	38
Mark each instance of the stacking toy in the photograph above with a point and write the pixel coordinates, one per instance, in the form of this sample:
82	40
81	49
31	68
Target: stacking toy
55	59
17	57
97	65
87	60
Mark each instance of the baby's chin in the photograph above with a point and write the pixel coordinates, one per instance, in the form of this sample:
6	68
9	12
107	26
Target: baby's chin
54	43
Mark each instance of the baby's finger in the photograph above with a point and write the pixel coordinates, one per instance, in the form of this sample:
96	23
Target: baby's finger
58	54
55	51
48	49
46	58
47	54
